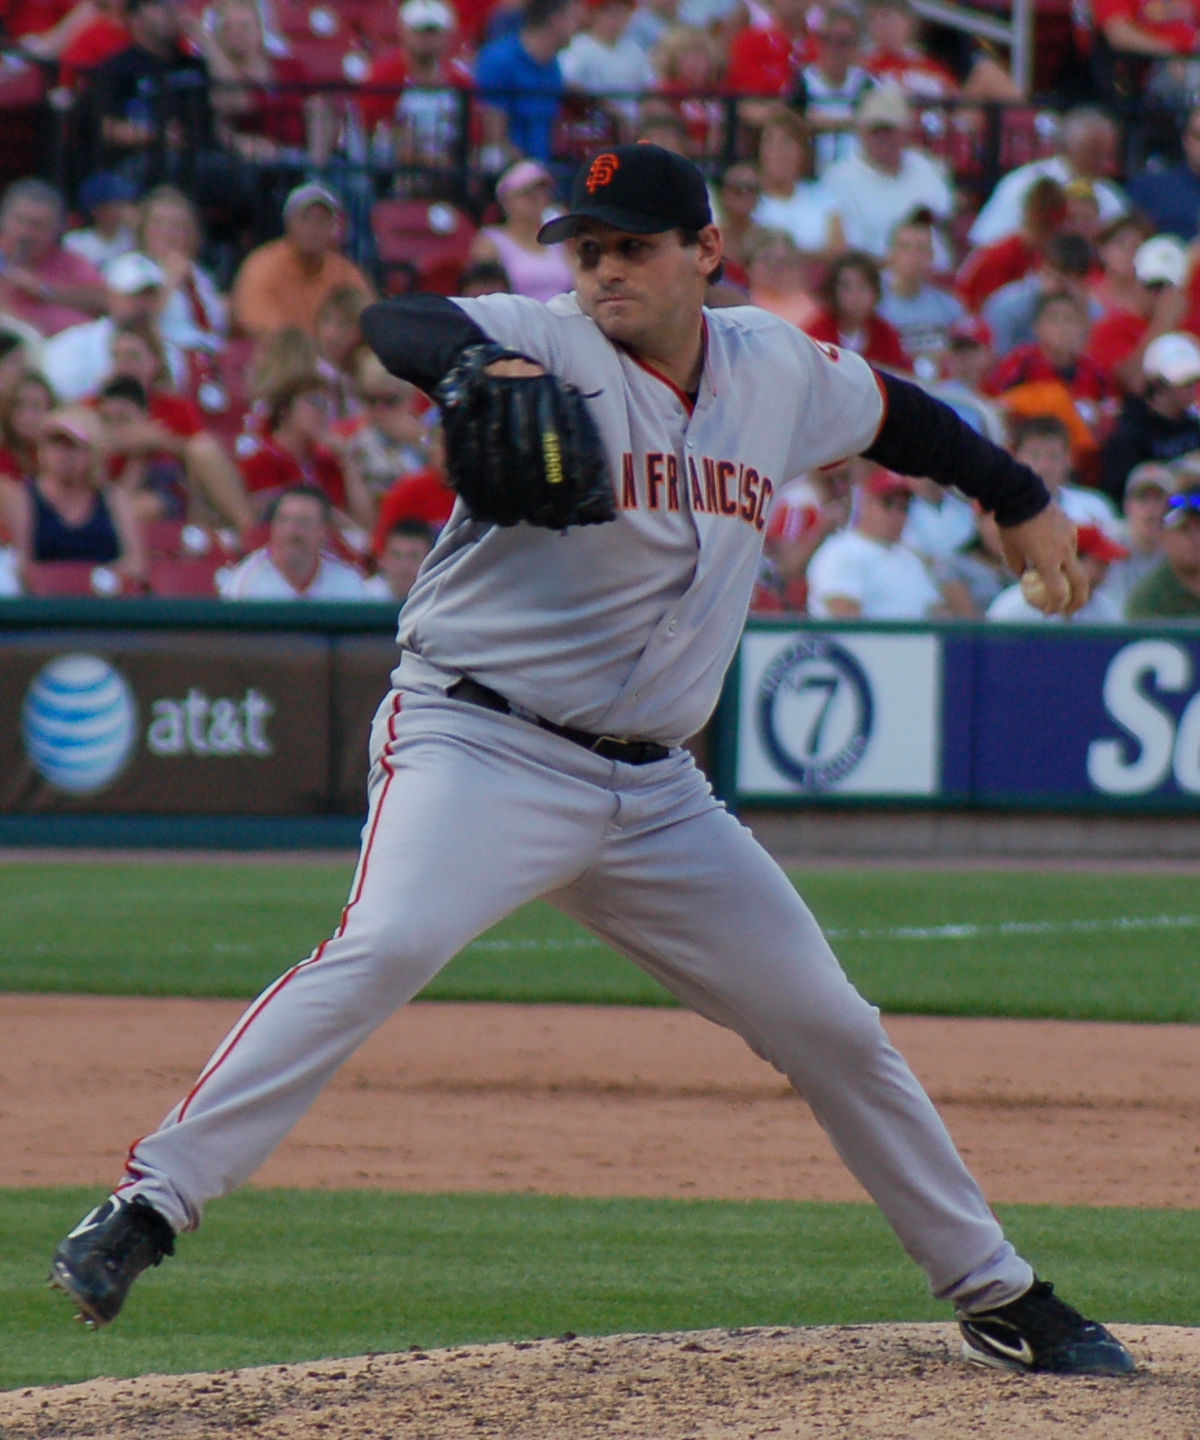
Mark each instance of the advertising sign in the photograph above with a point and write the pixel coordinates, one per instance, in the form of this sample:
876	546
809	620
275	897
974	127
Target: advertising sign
838	713
1088	716
165	723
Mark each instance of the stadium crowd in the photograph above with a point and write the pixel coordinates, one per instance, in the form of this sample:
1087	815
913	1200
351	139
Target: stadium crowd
187	406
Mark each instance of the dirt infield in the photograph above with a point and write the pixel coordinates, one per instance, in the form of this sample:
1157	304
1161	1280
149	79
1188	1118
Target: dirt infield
870	1382
578	1101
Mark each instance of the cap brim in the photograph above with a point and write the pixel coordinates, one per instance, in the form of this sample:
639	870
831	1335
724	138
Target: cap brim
562	227
67	432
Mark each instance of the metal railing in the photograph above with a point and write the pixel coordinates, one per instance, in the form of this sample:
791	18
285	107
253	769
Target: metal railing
978	144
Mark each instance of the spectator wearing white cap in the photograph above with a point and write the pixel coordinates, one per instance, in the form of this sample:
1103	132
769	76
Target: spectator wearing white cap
77	359
284	282
1161	423
866	571
1154	304
524	192
888	178
1097	551
423	121
1147	489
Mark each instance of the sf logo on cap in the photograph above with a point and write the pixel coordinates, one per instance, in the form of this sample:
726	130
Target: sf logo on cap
604	167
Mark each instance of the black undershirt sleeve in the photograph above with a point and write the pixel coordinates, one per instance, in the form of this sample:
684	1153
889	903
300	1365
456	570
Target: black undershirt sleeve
418	337
923	436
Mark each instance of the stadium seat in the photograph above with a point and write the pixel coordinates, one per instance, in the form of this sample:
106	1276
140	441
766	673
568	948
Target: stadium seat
163	537
181	575
233	365
420	244
74	577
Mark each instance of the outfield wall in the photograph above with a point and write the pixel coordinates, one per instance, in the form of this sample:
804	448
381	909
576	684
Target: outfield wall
191	722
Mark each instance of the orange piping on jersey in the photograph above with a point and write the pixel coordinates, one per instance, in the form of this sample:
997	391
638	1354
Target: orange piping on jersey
390	772
683	397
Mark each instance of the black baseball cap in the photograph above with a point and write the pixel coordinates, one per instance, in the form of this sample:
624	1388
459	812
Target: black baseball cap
640	188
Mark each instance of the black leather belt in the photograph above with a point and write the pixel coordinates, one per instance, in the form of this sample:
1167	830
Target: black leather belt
628	752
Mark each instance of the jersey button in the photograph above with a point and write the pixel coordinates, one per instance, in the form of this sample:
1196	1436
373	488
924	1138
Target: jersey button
672	626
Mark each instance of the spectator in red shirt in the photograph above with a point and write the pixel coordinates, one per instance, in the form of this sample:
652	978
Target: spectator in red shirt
987	268
803	514
386	440
258	117
99	33
20	19
424	497
1115	286
894	55
1054	375
1152	302
293	452
195	316
850	320
153	479
174	427
689	76
424	119
41	282
765	60
1148	27
1060	331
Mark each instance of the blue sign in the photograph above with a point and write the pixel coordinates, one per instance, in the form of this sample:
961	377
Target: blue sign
992	715
1074	716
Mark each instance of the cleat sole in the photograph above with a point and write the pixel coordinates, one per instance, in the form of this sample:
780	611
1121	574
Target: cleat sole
60	1280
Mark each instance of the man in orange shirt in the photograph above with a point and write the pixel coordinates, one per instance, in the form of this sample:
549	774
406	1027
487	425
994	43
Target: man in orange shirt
285	281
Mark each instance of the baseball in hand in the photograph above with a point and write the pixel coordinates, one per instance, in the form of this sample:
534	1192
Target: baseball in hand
1033	587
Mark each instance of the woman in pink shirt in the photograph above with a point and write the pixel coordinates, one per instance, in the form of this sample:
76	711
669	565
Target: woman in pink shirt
525	191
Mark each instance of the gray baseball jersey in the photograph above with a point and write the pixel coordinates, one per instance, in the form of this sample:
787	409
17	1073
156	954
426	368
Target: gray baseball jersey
627	629
623	629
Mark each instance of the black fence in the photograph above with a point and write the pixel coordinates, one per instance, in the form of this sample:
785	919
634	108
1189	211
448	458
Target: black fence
437	152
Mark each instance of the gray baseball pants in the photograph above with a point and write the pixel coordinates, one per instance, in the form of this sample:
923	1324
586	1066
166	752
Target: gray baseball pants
471	815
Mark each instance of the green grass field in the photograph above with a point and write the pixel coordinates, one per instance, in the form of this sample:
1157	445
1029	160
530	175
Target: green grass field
280	1276
1055	945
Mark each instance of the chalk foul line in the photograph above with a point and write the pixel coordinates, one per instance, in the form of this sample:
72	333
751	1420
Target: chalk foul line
1114	924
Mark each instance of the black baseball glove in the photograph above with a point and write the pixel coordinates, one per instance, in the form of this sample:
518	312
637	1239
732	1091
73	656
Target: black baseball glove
522	448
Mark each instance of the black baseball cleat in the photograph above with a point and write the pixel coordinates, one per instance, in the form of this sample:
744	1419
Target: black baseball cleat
1039	1332
106	1252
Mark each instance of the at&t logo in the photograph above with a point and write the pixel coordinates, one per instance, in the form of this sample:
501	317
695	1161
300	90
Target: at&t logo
815	713
79	723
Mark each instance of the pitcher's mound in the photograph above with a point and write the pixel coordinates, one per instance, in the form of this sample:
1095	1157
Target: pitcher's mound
862	1382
